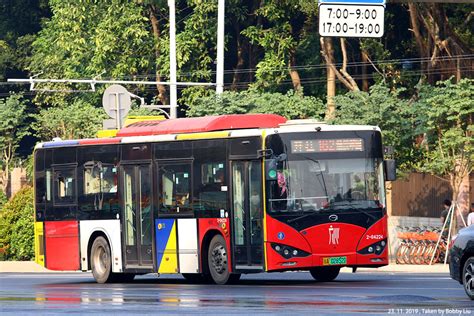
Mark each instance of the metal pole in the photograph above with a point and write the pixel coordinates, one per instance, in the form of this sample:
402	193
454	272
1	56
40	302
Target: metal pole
441	234
117	109
449	233
220	47
173	89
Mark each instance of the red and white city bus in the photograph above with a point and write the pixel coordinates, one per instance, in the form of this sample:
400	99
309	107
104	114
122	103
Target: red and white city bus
212	198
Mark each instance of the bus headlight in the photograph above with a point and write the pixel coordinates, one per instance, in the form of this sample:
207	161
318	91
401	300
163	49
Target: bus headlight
288	252
376	248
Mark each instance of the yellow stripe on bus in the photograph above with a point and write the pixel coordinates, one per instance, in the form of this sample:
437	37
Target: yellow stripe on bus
169	263
264	206
203	135
39	243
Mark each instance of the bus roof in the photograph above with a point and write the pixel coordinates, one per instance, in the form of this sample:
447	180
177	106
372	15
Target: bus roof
208	127
202	124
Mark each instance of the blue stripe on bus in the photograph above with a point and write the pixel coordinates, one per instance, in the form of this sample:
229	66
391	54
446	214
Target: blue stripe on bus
61	143
163	229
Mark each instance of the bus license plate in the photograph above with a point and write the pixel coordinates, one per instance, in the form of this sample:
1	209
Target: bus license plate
328	261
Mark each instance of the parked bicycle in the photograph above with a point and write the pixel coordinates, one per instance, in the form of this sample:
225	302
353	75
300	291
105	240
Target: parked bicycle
418	245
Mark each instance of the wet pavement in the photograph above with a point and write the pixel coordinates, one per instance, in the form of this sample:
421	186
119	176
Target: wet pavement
275	293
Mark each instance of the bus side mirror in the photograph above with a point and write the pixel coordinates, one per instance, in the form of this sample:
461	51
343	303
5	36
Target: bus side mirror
390	169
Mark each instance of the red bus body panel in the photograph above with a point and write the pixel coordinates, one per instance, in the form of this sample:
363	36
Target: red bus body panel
317	241
222	225
62	245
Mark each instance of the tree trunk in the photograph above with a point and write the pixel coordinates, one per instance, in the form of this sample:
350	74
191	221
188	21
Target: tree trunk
328	53
365	79
352	84
240	57
156	32
295	77
437	41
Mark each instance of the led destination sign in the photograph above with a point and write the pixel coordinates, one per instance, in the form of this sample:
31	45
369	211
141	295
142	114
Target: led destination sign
326	145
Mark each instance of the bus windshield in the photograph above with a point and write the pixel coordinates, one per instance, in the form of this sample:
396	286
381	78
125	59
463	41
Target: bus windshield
309	179
310	184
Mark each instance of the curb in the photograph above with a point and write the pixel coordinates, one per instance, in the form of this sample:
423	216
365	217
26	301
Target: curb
33	267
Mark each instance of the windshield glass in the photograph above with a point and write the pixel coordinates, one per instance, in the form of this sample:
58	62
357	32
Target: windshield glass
309	184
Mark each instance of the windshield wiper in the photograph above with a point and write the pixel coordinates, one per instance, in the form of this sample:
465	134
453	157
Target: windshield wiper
353	205
320	173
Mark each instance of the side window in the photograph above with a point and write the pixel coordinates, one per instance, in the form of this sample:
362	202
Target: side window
212	173
175	188
211	192
64	186
99	178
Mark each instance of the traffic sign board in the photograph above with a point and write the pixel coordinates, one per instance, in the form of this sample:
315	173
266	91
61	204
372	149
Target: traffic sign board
351	20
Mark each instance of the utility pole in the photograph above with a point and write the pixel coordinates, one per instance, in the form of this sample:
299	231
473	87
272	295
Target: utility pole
173	88
220	47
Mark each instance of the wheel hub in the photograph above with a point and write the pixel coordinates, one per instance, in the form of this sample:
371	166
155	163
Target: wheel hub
219	259
468	279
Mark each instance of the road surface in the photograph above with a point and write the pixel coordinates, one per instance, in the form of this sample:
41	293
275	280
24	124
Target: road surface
275	293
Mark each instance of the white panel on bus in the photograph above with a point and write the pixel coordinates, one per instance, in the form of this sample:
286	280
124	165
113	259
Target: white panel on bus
148	138
111	229
245	132
188	245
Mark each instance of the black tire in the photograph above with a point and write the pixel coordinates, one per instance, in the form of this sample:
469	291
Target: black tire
325	274
218	260
468	277
101	261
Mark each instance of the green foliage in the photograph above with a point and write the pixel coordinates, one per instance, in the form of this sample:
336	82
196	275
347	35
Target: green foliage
446	114
78	120
17	226
84	39
291	105
13	127
3	199
285	30
382	107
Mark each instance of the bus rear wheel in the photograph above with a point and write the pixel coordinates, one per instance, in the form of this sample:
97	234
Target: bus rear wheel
101	261
325	274
218	262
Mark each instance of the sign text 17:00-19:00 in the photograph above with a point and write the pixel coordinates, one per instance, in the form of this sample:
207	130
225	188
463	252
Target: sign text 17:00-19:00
351	20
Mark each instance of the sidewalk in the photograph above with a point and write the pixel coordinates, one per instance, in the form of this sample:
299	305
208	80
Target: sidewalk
32	267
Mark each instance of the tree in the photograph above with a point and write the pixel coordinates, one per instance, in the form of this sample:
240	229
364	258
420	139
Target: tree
440	43
282	32
85	39
292	105
13	127
446	119
78	120
385	108
17	226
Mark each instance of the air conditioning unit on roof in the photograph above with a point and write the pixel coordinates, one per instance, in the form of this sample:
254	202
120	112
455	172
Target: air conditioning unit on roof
302	122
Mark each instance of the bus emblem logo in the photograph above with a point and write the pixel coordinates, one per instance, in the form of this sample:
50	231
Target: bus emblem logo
333	217
333	235
281	236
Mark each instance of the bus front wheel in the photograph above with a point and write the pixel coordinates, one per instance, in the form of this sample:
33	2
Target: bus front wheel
101	261
325	274
218	262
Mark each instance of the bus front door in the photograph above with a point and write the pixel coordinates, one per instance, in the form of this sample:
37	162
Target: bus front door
137	219
247	215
